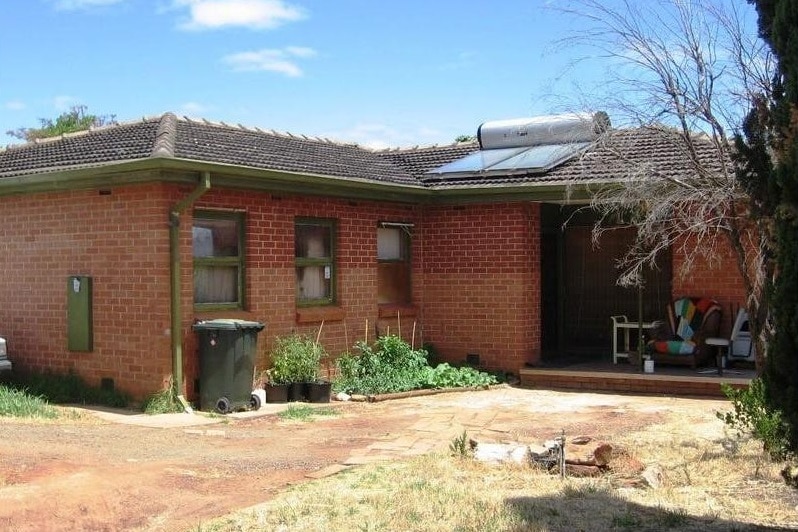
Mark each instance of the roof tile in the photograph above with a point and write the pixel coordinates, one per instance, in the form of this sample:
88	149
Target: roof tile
617	155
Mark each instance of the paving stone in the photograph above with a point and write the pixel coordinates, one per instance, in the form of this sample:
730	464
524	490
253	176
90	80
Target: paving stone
328	471
368	459
389	446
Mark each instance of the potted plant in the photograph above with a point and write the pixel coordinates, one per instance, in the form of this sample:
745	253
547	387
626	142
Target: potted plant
319	390
275	386
295	361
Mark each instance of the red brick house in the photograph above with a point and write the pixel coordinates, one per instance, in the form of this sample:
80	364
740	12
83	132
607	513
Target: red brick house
169	220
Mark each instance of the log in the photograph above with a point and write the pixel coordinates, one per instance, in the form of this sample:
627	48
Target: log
501	453
597	453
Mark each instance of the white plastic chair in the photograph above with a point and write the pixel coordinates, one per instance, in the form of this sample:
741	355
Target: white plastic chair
738	345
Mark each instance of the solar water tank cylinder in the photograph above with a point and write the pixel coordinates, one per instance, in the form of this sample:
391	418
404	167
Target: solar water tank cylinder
551	129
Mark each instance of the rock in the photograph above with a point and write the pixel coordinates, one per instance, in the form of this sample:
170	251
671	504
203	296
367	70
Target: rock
627	465
653	476
359	398
790	475
581	440
602	454
551	444
538	451
501	453
342	396
630	482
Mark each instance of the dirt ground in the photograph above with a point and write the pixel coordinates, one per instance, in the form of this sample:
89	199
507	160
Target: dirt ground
91	474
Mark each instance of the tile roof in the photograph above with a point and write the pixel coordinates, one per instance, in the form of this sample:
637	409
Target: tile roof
169	136
417	161
618	154
259	149
111	144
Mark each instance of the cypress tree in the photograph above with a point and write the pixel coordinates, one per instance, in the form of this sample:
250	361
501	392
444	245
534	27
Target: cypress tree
773	184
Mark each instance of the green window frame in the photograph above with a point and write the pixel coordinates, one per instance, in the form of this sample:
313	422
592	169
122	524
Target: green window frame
394	283
314	253
218	250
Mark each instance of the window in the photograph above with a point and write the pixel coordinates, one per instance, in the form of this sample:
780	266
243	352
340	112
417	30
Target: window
393	265
314	246
218	246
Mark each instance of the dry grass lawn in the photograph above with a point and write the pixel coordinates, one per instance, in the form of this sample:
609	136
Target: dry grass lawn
709	482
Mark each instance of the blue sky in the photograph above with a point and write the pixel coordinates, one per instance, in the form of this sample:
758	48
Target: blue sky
374	72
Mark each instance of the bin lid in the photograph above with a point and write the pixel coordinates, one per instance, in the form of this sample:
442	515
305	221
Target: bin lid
227	325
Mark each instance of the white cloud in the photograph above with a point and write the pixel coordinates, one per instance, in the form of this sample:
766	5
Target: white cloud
271	60
75	5
14	105
64	102
463	60
300	51
380	136
193	108
254	14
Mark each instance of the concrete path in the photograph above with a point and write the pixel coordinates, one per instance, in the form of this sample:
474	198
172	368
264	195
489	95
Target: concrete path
502	414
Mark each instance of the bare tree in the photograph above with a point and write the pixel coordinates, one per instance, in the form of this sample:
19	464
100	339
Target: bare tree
684	75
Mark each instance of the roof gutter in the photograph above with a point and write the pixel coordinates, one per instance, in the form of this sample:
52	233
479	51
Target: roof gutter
176	281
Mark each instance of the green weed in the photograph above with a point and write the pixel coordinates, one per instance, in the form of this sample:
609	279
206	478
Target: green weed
306	412
163	402
65	388
18	403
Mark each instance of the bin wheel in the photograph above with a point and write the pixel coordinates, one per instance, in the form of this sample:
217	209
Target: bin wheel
254	402
223	405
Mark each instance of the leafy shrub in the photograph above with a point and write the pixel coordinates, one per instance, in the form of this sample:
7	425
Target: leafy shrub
391	365
295	358
752	414
446	376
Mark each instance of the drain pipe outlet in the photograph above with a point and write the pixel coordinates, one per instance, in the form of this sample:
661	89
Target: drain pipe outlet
175	281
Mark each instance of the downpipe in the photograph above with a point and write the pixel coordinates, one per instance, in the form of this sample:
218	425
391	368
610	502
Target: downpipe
175	284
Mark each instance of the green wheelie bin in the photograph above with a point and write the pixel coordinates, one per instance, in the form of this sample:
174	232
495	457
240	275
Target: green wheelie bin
227	350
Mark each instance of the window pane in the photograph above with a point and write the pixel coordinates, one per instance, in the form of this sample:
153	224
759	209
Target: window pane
389	243
313	282
215	238
215	284
393	282
313	241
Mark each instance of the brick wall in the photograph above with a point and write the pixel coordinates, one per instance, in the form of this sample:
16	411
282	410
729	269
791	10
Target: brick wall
718	279
270	271
482	283
120	239
476	278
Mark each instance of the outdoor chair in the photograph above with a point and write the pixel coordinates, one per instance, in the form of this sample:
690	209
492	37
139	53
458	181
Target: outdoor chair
690	321
738	346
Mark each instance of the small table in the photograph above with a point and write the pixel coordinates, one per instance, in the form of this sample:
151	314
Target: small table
621	322
721	351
